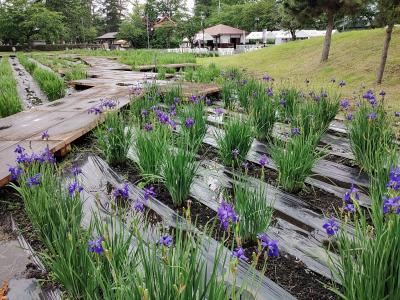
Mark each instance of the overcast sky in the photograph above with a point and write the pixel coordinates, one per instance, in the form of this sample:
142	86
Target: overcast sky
189	4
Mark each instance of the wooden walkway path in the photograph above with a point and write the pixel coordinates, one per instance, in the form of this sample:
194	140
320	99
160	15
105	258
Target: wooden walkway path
67	119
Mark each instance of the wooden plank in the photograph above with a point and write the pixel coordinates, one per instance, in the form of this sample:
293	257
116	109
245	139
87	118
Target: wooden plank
169	66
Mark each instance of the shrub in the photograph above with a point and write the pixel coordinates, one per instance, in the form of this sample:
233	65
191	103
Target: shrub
263	115
51	84
228	93
194	125
289	100
294	160
179	170
371	136
235	142
151	147
246	89
114	138
9	99
254	211
75	73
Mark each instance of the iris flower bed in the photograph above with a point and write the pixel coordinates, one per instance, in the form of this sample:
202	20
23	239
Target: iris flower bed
9	99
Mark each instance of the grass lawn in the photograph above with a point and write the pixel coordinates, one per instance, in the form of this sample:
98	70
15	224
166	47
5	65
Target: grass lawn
354	58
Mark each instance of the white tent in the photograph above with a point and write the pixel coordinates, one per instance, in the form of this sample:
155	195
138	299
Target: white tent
255	35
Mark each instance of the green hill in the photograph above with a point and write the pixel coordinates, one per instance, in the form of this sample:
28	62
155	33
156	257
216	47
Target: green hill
354	58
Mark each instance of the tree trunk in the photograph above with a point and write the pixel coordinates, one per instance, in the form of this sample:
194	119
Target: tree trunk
328	36
385	50
293	33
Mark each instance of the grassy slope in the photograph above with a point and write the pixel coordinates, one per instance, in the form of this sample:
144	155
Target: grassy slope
354	57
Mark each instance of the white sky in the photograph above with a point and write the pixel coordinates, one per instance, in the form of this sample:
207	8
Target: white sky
189	4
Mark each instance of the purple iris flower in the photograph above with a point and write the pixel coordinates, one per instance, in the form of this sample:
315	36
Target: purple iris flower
345	104
382	93
74	188
331	227
122	192
324	94
138	206
15	172
349	207
295	131
267	78
263	160
269	92
45	135
245	165
351	194
47	156
96	246
372	116
394	179
172	110
282	102
163	118
19	149
165	240
148	127
391	205
76	170
172	124
144	112
193	99
219	111
189	122
226	215
349	117
397	114
108	103
239	254
34	181
235	153
95	110
342	83
149	192
208	101
270	245
177	100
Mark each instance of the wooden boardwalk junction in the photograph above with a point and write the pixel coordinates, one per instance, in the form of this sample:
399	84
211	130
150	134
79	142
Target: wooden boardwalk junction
67	119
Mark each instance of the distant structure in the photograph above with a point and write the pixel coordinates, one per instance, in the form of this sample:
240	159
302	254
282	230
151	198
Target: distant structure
109	41
220	36
282	36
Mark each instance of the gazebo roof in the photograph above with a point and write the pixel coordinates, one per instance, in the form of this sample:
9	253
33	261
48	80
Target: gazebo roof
222	29
108	35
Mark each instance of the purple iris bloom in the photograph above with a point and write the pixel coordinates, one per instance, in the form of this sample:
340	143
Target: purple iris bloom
345	104
239	254
351	194
193	99
138	206
391	205
267	78
47	156
163	118
219	111
189	122
269	92
394	179
149	192
165	240
372	116
295	131
76	170
226	215
245	165
324	94
108	103
148	127
263	160
23	158
95	110
208	101
144	112
331	227
74	188
177	100
349	207
382	93
45	135
122	192
15	172
397	114
172	110
235	153
34	181
349	117
172	124
342	83
96	246
19	149
270	245
282	102
317	98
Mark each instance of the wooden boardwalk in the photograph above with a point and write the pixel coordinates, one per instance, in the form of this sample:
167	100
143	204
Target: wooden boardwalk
67	119
146	68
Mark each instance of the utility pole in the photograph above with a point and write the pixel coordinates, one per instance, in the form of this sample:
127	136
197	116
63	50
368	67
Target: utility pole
147	30
202	25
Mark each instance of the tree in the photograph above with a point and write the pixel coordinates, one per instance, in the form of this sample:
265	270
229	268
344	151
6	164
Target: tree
389	14
113	12
287	22
188	27
133	28
302	9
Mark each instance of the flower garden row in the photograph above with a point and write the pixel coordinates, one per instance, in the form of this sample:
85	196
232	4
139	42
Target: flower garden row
9	99
164	136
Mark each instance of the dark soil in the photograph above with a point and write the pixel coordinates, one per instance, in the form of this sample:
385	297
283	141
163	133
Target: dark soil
286	270
342	160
